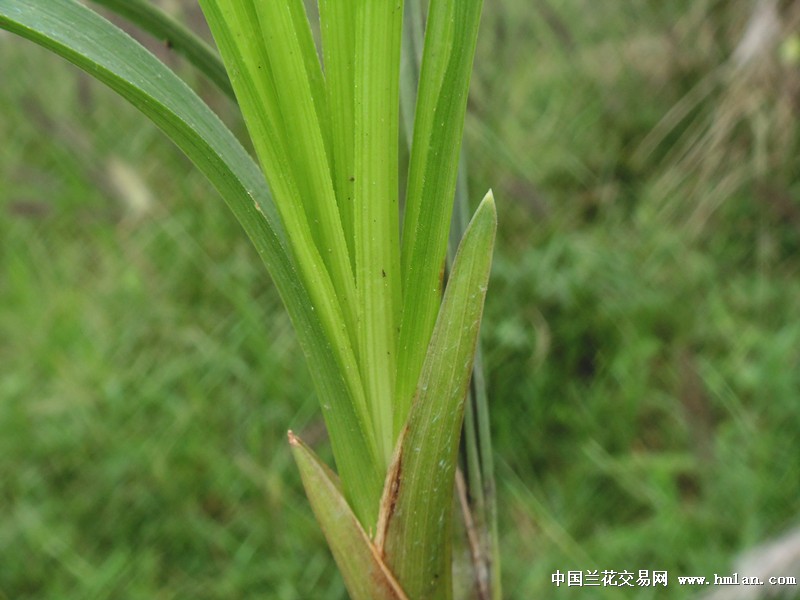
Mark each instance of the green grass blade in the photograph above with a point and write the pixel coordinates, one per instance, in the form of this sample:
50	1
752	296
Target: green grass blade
95	45
470	446
313	67
477	447
450	39
159	24
415	525
410	61
303	108
377	115
235	26
338	25
361	565
237	31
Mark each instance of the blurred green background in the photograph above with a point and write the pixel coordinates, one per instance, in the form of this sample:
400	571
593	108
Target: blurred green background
642	333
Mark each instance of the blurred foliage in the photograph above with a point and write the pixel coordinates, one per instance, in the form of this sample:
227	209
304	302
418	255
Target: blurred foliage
642	333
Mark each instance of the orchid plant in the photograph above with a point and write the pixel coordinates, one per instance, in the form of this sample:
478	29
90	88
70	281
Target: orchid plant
360	269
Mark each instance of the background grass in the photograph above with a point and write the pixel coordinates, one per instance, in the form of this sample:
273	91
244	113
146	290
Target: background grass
642	333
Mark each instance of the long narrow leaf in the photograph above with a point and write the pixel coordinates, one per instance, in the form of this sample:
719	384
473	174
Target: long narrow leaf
156	22
415	524
365	574
450	40
235	26
338	25
410	61
95	45
236	29
377	115
477	447
479	506
313	68
303	109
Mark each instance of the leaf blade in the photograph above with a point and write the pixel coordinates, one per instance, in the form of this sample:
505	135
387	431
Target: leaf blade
95	45
303	110
376	216
159	24
450	40
414	527
236	29
338	27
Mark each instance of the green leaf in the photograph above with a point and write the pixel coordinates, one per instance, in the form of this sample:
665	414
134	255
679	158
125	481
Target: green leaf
479	506
95	45
450	39
160	25
338	27
300	99
476	448
410	61
313	67
415	523
236	29
365	574
376	215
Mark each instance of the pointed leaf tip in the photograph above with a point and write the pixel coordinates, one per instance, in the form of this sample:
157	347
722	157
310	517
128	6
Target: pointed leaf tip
415	524
365	574
487	204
